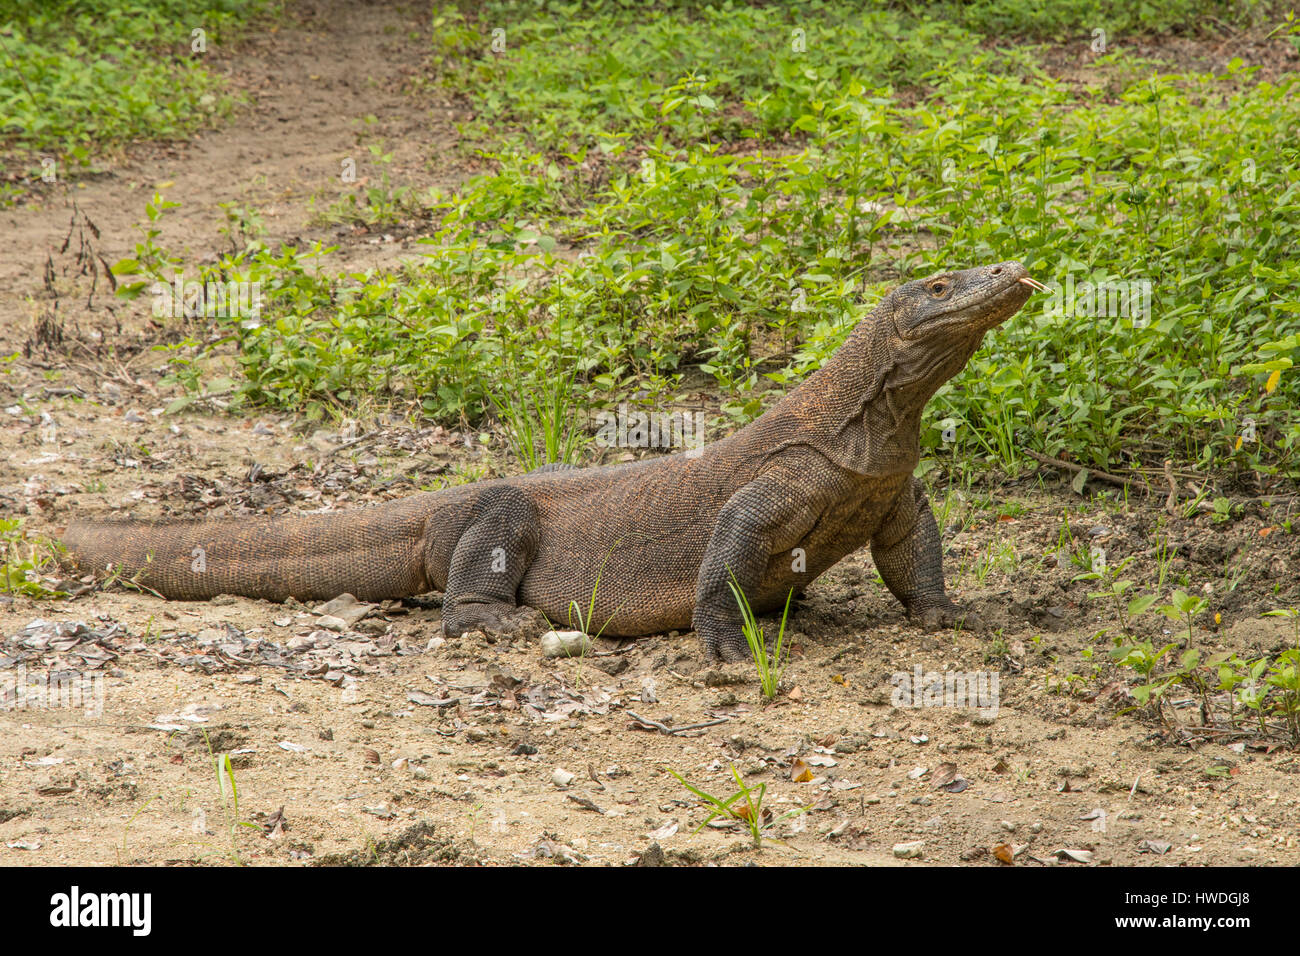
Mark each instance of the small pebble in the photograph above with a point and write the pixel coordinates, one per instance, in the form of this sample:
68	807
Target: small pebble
562	777
909	851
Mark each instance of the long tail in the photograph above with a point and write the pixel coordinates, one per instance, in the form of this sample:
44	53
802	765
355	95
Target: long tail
376	552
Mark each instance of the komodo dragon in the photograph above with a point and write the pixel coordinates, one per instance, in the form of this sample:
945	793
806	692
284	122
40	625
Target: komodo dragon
825	471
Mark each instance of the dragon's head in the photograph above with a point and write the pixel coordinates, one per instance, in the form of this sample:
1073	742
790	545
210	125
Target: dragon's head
934	325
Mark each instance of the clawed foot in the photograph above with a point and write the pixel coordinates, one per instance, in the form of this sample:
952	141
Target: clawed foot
726	649
497	621
939	616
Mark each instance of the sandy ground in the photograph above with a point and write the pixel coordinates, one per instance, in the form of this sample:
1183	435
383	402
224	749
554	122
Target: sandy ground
382	742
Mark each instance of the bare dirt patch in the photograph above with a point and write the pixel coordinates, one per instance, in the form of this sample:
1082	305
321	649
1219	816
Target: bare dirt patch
1268	57
382	743
323	87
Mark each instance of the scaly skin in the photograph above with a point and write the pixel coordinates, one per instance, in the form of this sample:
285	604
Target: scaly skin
822	473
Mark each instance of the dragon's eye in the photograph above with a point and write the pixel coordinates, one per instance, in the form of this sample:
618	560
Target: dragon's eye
938	287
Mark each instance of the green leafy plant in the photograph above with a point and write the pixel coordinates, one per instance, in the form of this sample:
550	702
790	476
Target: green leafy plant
1185	608
1117	593
381	203
1260	696
21	563
1142	657
746	805
665	195
150	260
83	76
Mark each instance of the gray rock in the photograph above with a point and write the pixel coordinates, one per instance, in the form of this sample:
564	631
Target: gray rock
565	644
909	851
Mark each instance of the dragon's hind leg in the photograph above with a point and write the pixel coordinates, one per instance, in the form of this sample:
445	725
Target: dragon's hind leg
487	564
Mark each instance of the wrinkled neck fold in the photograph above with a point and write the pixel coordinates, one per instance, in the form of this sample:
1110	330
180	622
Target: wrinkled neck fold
862	409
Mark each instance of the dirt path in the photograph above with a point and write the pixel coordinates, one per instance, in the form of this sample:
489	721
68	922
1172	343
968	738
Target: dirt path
315	83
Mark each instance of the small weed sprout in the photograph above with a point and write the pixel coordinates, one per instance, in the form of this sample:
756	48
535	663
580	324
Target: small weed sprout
746	805
770	666
585	620
20	564
224	773
126	830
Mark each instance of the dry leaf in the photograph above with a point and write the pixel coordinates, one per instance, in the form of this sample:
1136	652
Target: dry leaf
275	825
664	832
1078	856
944	774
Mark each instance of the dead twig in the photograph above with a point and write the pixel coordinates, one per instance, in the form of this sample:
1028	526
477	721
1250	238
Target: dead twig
110	375
1071	466
673	731
1171	503
354	441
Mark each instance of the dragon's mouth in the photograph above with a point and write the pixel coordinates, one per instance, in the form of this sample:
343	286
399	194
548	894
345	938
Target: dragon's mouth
998	293
1007	301
1013	298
